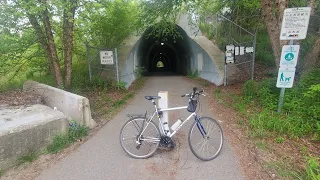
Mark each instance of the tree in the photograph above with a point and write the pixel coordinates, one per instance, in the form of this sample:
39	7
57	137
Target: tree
39	14
313	56
272	13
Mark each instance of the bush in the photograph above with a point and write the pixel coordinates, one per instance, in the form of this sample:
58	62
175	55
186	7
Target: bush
312	168
61	141
193	74
301	111
264	52
249	89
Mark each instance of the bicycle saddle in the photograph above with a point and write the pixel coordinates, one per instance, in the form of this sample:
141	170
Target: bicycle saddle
152	97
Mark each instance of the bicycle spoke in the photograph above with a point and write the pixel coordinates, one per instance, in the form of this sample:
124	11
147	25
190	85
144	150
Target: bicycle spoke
149	138
208	147
126	138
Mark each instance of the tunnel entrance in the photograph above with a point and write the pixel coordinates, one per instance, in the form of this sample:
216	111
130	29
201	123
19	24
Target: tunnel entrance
168	56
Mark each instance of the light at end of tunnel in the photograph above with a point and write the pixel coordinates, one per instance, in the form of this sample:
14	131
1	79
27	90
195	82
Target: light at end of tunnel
160	53
162	44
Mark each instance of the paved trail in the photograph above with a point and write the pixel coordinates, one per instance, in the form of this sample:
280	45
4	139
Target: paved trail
101	157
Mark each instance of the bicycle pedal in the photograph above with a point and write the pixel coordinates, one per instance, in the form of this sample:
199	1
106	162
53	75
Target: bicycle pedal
166	141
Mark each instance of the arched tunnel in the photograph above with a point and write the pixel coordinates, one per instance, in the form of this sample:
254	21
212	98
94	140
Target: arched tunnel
161	57
180	55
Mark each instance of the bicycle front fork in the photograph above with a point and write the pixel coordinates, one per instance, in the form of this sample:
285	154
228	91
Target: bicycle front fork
200	127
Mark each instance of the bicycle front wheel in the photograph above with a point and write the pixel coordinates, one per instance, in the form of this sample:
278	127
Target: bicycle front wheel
139	146
205	138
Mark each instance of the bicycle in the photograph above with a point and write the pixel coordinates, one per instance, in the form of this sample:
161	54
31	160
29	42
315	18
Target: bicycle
143	136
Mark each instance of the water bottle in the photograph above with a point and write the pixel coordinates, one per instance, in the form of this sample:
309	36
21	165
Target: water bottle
176	124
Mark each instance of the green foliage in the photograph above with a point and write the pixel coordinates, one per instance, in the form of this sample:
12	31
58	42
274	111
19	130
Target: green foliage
193	74
301	107
284	169
280	140
28	158
208	30
162	16
246	13
122	101
261	145
76	131
61	141
108	23
121	85
1	172
312	100
268	123
140	71
312	168
264	52
249	89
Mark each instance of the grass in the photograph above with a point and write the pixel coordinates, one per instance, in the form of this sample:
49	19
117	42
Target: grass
61	141
299	120
76	132
284	170
193	74
261	145
312	168
28	158
275	133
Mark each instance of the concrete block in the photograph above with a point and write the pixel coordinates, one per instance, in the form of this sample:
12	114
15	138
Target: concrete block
27	129
73	106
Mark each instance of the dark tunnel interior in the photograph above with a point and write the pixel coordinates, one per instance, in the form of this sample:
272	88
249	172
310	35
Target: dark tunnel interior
165	57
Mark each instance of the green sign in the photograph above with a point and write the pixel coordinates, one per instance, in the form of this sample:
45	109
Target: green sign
289	56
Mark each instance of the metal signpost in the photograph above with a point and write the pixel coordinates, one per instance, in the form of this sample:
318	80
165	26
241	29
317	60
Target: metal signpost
294	26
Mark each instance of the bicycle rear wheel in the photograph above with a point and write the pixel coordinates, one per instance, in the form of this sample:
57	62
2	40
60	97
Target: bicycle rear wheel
144	146
205	138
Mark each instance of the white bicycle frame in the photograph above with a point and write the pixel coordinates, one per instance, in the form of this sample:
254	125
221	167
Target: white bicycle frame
162	127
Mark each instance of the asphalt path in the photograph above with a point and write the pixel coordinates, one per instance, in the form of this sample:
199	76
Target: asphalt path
102	157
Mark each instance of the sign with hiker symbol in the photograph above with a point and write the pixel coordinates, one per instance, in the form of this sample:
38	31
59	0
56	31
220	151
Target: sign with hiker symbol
285	77
289	55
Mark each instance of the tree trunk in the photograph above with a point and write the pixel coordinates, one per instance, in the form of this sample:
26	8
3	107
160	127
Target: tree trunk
52	49
42	40
312	57
68	25
312	4
47	43
272	13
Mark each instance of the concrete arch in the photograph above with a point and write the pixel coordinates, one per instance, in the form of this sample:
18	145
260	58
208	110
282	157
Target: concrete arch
193	52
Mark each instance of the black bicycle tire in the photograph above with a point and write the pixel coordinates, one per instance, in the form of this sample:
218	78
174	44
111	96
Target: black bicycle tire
221	144
130	153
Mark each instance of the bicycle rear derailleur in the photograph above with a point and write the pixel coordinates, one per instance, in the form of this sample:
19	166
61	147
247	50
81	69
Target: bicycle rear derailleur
166	141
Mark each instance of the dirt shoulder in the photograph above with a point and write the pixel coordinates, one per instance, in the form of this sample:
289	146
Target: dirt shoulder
243	147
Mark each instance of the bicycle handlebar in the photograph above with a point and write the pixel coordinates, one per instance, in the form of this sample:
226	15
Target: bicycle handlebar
195	92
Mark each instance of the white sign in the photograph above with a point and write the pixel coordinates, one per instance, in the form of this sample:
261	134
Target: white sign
295	23
285	77
249	49
236	50
229	59
106	57
242	50
289	55
230	54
